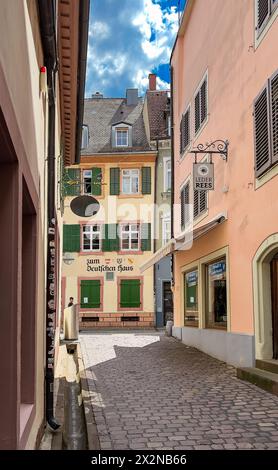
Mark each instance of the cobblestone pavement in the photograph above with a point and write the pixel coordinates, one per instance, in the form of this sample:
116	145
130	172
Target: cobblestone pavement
153	392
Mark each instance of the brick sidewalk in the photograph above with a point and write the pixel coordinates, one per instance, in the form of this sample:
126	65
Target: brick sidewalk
152	392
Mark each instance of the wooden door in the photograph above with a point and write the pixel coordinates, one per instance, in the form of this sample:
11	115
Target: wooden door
274	303
167	302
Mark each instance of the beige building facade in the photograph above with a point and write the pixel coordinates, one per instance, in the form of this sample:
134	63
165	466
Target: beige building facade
106	240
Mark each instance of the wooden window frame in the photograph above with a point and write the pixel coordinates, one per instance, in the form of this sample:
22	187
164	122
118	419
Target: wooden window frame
130	184
191	323
165	219
91	233
83	181
215	325
118	130
166	170
130	250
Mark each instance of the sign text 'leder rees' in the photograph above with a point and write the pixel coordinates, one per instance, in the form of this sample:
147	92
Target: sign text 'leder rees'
203	176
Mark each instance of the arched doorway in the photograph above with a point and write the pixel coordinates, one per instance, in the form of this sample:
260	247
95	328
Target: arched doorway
265	283
274	303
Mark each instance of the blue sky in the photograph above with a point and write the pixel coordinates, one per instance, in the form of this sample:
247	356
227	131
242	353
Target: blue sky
127	43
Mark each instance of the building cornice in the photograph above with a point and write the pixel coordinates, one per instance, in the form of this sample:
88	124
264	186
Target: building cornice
138	157
183	24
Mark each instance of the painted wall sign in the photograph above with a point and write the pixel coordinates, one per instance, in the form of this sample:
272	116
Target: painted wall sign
203	176
119	265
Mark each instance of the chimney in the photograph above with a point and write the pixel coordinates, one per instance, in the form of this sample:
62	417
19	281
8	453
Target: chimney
152	81
132	96
97	95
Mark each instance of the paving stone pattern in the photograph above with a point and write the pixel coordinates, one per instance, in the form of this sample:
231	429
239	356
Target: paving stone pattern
153	392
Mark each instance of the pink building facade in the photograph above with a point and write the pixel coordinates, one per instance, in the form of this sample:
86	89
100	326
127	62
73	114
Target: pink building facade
225	86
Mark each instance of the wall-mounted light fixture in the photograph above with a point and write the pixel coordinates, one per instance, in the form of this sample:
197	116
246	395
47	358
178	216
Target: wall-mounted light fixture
68	258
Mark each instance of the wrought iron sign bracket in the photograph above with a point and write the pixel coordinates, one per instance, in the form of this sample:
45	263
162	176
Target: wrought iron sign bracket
218	147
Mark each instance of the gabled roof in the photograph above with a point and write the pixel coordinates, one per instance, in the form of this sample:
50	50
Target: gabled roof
102	113
122	122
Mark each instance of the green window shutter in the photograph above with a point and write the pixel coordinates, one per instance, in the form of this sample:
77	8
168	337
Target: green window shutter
90	294
96	181
114	181
110	238
130	293
146	237
146	180
72	182
71	238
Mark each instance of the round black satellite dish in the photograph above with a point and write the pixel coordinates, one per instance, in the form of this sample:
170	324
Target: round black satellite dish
84	206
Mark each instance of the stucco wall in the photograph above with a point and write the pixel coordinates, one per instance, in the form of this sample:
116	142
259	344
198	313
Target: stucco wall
163	200
20	61
236	74
113	209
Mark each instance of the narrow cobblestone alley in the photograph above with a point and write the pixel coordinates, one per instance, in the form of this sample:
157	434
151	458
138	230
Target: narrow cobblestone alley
153	392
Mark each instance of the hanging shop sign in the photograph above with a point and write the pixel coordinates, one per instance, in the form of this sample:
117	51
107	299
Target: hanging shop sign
85	206
203	176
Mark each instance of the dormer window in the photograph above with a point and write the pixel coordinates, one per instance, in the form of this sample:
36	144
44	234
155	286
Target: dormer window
84	137
122	137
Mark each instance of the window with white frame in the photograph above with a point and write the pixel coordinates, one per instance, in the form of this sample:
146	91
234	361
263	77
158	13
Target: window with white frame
84	137
130	237
169	124
167	174
121	137
166	229
91	237
130	181
87	181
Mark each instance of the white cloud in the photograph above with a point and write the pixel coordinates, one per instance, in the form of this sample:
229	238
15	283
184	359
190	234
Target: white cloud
161	84
99	30
141	81
143	35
